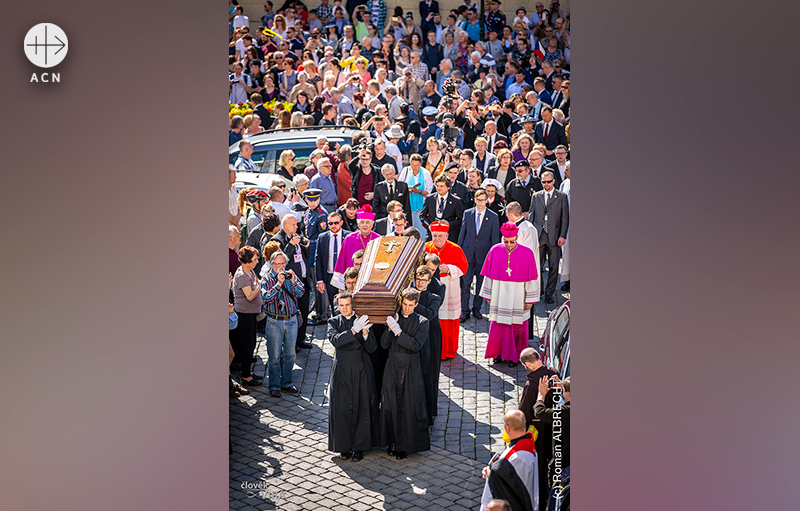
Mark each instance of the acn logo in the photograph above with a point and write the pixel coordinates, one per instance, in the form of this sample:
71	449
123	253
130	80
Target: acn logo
46	45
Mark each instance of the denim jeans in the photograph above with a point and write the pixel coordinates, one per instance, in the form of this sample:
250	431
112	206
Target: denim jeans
281	339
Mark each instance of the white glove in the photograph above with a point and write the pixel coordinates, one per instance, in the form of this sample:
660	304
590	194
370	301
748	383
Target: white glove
360	323
393	325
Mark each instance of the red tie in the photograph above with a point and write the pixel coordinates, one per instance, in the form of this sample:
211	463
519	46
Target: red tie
546	129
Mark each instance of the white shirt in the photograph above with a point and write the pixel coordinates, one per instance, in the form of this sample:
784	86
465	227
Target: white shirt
281	209
394	151
561	169
439	201
241	21
334	238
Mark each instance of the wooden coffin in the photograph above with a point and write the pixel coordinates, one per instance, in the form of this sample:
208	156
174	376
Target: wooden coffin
387	268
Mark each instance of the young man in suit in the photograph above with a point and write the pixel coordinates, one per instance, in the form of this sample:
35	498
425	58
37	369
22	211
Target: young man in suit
329	245
549	214
549	132
480	231
484	160
558	166
443	205
458	188
383	226
390	189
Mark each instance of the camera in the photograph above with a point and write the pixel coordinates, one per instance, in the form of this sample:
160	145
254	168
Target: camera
451	133
407	72
288	275
551	384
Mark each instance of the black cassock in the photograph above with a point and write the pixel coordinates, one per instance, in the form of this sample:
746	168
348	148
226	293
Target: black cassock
353	401
404	417
430	356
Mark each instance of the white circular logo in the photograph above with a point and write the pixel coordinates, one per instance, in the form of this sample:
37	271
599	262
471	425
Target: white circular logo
46	45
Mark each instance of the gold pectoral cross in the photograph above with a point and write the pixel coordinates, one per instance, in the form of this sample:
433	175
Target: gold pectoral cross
509	271
391	244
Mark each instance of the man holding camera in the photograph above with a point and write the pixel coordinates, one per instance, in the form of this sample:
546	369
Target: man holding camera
296	249
280	290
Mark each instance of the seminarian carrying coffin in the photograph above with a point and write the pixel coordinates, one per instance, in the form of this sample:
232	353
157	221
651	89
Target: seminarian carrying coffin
387	268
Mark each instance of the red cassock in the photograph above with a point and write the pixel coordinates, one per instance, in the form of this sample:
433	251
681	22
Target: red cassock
450	311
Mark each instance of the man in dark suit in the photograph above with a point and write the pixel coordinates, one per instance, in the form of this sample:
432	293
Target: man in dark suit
492	136
296	250
480	231
390	189
549	214
523	186
329	244
549	132
384	225
541	92
425	8
258	108
458	188
442	205
559	165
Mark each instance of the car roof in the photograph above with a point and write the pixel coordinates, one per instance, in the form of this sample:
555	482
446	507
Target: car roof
296	137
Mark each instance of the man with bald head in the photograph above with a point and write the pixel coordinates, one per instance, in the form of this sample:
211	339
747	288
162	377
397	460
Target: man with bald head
513	475
492	136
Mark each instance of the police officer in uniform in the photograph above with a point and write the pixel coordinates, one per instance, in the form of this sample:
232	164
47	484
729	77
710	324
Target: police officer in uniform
315	220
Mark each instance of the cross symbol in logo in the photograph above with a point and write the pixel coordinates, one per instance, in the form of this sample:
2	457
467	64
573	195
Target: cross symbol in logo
52	37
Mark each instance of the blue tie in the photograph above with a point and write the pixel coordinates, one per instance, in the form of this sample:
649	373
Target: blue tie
478	224
441	206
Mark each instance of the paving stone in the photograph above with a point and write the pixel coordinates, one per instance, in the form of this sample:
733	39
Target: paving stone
286	439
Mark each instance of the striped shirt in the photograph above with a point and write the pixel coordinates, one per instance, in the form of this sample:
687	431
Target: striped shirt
280	300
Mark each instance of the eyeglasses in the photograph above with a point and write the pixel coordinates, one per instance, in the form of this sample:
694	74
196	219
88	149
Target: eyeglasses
281	186
334	223
547	182
291	159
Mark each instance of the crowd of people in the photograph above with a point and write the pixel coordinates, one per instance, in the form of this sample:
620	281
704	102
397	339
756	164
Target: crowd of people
462	140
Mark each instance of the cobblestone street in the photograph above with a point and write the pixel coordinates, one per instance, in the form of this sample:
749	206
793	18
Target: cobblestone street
280	443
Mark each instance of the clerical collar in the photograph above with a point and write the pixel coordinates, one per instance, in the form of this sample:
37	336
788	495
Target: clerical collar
350	316
515	440
519	221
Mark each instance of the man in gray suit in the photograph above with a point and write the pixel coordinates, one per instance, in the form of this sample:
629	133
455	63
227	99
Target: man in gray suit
549	214
480	231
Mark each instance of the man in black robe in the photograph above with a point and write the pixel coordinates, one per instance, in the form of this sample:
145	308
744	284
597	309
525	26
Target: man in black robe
544	442
428	307
404	417
512	475
353	406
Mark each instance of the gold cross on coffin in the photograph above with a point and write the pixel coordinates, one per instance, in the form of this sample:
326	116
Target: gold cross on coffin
391	244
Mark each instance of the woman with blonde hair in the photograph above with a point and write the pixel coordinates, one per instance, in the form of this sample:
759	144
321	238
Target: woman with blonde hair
252	123
286	165
434	160
522	147
314	79
279	25
297	120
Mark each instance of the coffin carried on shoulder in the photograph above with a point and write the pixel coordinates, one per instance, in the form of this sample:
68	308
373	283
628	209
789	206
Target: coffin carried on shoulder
387	268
